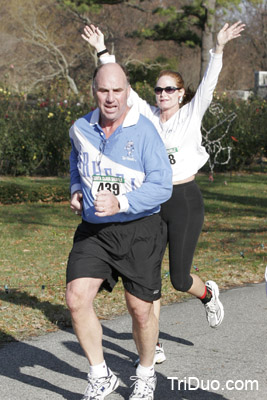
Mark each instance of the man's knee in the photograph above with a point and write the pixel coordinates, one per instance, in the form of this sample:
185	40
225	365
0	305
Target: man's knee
141	311
80	293
74	299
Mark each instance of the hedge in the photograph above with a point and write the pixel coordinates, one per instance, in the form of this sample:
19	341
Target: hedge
35	139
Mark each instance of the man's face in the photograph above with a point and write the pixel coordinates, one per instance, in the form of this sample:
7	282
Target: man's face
111	92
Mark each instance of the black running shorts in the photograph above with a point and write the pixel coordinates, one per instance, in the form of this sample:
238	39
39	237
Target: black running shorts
132	250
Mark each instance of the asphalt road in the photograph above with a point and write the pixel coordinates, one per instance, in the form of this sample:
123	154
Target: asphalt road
202	363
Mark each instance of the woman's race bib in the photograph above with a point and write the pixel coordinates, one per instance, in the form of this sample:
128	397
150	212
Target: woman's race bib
171	154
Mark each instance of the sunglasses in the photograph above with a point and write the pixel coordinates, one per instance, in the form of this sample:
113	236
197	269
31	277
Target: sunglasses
167	89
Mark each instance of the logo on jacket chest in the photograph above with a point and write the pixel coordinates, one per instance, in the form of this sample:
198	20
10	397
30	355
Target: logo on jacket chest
129	150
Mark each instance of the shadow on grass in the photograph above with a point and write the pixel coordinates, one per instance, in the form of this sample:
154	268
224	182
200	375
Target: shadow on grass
59	315
243	231
232	178
256	205
56	313
51	215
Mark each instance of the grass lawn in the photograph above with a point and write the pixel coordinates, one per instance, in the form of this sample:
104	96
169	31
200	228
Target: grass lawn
36	237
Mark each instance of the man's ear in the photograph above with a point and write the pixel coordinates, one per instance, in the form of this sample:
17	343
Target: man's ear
93	92
128	90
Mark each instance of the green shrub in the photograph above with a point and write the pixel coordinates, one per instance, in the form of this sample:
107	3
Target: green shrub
145	91
27	190
245	135
34	134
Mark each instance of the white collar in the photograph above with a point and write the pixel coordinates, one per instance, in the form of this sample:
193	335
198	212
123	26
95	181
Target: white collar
131	118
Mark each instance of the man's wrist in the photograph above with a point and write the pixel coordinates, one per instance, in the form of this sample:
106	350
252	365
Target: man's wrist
101	52
77	191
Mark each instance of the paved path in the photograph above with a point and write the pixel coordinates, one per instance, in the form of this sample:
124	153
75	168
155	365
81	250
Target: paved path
201	360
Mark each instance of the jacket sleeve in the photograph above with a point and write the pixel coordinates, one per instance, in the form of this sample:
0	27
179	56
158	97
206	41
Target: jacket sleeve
157	185
141	105
105	59
204	93
75	182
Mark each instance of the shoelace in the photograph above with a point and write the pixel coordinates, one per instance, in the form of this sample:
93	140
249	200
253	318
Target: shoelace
211	305
93	385
142	385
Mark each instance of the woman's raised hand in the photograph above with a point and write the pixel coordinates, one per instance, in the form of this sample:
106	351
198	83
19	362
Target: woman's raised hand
228	33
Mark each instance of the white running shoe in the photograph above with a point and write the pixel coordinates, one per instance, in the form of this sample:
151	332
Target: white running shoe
158	358
99	388
143	387
214	308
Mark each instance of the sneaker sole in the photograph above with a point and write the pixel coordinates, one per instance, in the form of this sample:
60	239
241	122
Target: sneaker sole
215	291
221	317
159	360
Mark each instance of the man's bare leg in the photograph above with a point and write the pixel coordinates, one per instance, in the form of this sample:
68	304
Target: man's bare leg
145	328
80	294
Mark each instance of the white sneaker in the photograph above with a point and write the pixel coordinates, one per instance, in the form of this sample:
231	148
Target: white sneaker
214	308
99	388
143	387
159	356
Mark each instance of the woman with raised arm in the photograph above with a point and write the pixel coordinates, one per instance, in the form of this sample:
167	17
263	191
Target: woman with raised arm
178	119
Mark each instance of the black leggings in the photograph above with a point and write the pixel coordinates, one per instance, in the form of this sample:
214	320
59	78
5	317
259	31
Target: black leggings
184	216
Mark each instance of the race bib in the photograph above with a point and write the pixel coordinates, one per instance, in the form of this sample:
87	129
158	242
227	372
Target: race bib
171	154
115	184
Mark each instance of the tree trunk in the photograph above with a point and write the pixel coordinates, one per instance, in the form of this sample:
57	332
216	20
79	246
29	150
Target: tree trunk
72	84
207	34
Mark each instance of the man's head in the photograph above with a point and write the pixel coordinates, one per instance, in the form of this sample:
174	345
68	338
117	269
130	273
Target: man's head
111	90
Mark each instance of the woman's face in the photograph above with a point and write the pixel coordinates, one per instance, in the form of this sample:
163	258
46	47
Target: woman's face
167	101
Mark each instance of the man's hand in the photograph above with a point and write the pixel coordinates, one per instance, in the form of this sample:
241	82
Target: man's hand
94	37
76	202
106	204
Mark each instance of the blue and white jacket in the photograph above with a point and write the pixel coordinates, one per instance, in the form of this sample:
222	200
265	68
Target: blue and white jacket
132	163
